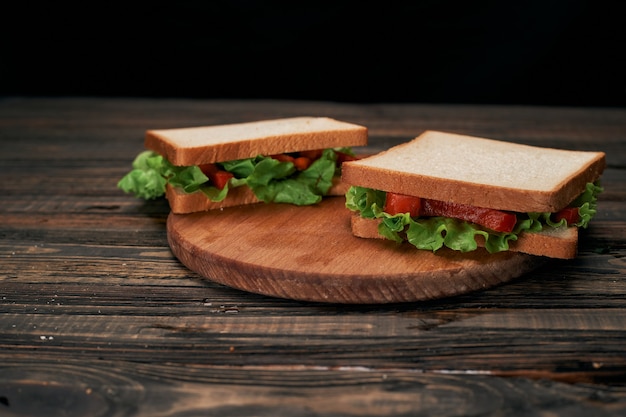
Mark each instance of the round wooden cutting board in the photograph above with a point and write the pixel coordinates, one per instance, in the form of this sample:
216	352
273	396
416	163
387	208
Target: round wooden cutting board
309	254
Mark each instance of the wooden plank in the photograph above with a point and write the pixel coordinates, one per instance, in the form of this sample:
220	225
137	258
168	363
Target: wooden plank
161	389
497	343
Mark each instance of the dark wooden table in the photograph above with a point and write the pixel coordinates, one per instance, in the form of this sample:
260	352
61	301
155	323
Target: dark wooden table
99	319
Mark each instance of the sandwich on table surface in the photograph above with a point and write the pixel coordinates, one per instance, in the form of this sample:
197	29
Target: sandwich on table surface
462	192
292	160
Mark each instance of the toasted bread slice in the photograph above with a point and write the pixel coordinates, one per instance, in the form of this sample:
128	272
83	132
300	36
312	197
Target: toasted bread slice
479	172
181	202
559	243
208	144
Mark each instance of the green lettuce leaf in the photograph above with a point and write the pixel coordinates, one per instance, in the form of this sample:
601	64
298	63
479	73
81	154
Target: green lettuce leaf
148	177
269	179
151	172
433	233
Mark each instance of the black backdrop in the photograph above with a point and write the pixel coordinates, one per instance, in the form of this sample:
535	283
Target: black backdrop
530	52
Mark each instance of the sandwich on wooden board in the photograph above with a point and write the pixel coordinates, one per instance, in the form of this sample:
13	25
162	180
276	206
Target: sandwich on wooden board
292	160
461	192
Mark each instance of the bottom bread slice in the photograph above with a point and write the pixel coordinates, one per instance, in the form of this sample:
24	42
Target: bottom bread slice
559	243
182	203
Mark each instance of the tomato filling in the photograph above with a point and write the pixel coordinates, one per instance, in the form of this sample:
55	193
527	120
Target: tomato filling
402	203
299	161
570	214
303	159
219	177
497	220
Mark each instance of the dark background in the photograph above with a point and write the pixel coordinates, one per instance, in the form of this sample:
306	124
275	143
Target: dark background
567	53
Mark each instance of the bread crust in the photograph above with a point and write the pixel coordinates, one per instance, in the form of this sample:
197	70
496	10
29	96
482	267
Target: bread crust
182	203
479	172
559	243
219	143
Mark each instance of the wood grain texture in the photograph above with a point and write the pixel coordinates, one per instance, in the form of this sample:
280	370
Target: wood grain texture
98	317
110	388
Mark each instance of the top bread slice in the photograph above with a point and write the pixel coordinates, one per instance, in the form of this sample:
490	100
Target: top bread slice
479	172
220	143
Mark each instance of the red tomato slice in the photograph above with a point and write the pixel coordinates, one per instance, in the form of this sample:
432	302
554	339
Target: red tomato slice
343	157
401	203
209	169
497	220
312	154
570	214
302	162
282	157
217	176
